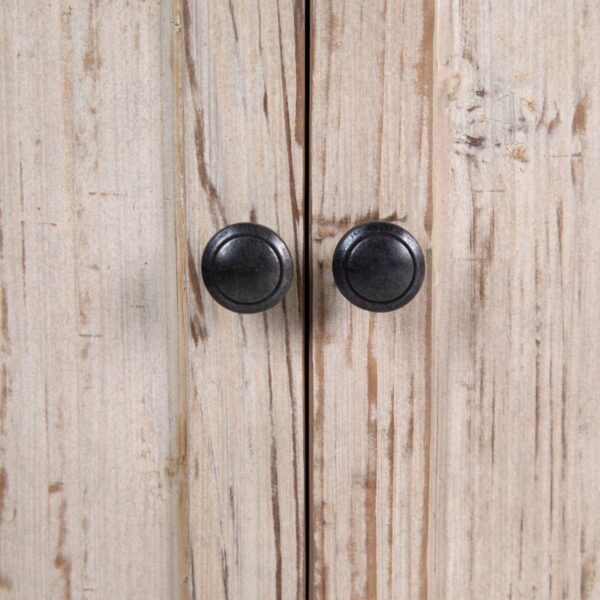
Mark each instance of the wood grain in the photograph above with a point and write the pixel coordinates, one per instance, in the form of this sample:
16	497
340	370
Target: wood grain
515	480
243	145
151	443
89	399
371	147
455	442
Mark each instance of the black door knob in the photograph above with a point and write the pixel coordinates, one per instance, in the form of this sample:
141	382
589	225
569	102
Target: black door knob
378	266
247	268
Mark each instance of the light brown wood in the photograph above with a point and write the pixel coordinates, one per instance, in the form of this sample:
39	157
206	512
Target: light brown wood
244	139
371	147
151	442
89	399
516	254
455	442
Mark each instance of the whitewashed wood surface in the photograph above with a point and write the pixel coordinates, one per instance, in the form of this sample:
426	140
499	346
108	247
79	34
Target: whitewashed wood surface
371	391
515	457
151	443
244	149
456	445
89	407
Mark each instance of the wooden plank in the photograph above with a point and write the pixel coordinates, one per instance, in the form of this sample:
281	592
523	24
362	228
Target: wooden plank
244	140
371	129
455	446
516	255
89	484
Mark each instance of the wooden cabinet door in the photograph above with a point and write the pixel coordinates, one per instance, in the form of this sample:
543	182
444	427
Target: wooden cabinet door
91	426
151	442
243	107
455	443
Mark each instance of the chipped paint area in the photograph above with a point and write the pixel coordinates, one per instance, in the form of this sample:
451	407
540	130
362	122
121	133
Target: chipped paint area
88	308
498	119
517	151
61	561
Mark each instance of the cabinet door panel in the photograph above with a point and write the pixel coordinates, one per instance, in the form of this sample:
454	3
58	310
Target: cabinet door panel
89	400
243	146
516	301
454	446
371	394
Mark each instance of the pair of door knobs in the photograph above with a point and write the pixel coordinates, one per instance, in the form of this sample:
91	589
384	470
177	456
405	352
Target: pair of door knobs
377	266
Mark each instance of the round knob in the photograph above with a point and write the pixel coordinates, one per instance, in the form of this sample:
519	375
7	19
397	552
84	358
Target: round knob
378	266
247	268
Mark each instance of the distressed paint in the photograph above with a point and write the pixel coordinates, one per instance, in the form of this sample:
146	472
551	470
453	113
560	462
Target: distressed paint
454	442
371	147
244	161
89	397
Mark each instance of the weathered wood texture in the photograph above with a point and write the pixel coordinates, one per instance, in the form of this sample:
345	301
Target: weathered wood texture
455	442
244	130
371	128
516	301
89	490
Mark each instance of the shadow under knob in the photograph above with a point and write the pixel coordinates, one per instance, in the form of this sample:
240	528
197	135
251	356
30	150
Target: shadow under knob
378	266
247	268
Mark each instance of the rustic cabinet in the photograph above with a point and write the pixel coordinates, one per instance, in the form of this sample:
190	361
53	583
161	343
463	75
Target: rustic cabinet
155	445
